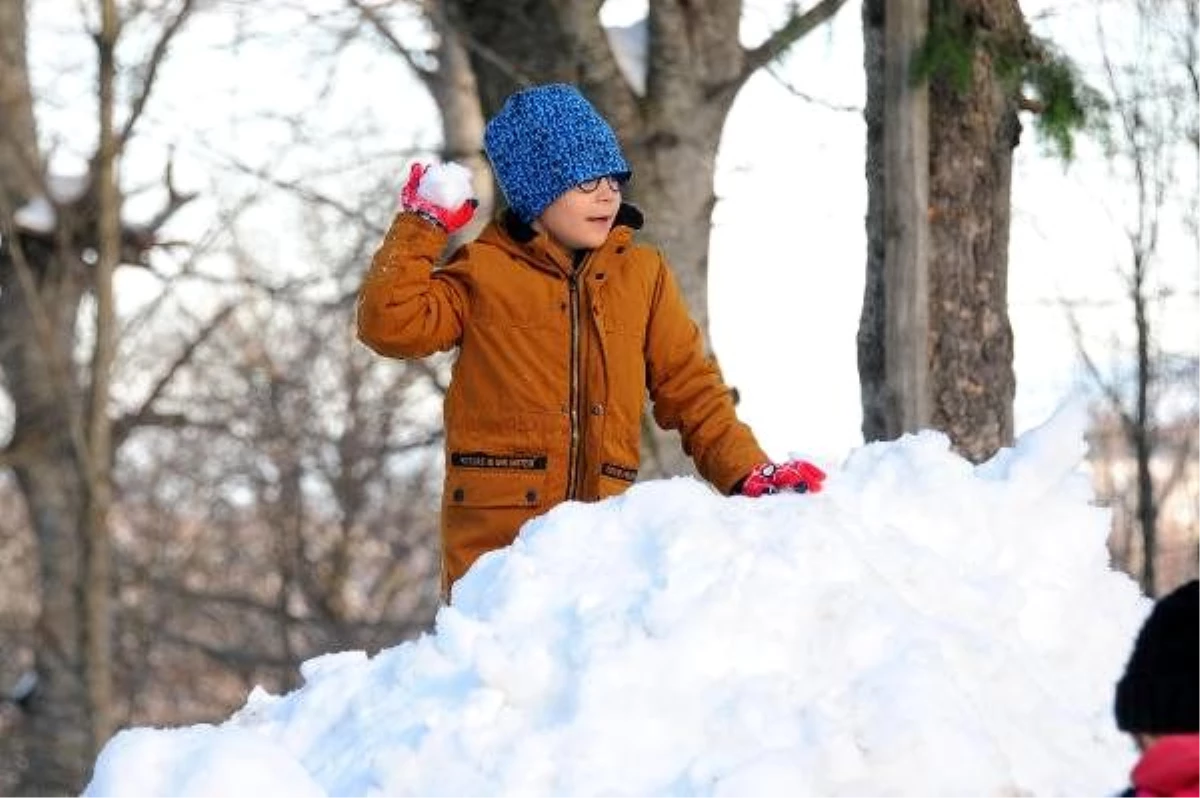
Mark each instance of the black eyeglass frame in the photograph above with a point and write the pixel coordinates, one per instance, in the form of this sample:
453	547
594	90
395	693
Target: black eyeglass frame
615	182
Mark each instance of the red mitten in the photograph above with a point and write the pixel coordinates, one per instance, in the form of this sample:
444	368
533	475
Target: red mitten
796	476
416	198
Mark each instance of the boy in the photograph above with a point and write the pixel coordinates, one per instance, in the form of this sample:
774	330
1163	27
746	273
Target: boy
1157	699
562	322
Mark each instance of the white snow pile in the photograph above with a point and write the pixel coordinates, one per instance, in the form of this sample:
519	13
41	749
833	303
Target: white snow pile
921	627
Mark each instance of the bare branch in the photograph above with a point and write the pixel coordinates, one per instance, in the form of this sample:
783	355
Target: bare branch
176	199
131	420
796	28
1185	455
232	656
1106	387
792	89
157	54
304	192
377	23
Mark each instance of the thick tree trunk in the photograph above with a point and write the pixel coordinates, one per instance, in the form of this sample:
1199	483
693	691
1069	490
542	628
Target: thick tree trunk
970	383
893	340
872	370
46	454
972	136
39	301
42	284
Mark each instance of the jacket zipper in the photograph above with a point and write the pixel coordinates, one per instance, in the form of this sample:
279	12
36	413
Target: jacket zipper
573	393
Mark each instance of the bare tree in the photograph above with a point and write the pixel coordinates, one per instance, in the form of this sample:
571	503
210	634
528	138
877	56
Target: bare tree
58	248
290	516
1150	390
260	482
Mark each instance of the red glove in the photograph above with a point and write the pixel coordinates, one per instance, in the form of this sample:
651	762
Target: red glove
445	218
796	476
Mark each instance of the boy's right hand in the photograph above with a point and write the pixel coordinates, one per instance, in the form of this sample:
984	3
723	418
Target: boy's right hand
440	193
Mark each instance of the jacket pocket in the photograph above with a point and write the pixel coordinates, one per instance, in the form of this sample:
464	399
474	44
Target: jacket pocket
480	479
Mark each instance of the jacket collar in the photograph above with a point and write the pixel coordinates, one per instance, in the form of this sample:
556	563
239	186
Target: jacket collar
520	240
522	232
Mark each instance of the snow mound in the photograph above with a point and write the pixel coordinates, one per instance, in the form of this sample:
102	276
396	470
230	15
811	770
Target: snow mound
921	627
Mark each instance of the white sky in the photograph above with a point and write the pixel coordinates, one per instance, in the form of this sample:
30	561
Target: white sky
920	627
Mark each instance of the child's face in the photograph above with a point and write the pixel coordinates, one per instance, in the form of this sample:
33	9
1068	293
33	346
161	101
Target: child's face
582	217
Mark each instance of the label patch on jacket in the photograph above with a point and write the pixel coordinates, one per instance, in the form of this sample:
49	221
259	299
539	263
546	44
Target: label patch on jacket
619	472
518	462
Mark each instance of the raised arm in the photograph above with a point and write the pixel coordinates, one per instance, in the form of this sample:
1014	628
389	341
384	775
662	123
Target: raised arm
406	308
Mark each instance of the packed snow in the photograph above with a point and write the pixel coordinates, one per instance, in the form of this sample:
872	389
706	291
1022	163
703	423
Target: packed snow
921	627
39	214
447	185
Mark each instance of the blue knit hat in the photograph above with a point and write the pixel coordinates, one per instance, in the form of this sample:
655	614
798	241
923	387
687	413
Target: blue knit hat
545	141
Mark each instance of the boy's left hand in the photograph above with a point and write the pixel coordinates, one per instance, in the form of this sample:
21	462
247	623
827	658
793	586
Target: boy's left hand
795	476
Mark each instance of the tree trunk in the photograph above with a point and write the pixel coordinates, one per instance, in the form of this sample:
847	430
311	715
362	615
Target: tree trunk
1141	432
20	169
97	586
872	370
972	136
40	295
37	332
972	130
893	348
62	446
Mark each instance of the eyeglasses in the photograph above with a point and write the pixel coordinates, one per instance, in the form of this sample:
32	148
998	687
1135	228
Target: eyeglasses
614	182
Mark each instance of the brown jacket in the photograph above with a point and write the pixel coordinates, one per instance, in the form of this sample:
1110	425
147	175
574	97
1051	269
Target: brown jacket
546	396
